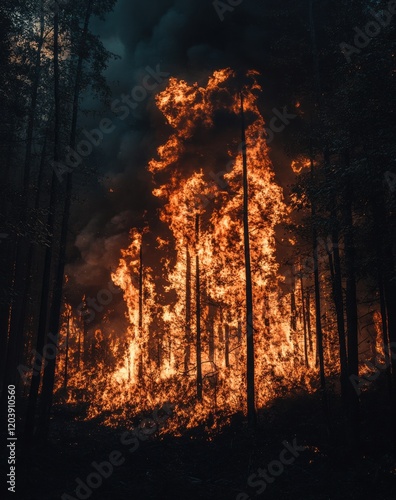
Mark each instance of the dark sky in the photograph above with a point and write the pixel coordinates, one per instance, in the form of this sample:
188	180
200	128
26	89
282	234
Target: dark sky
188	40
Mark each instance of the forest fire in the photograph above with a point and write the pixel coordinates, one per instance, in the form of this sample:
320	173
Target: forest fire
198	252
187	322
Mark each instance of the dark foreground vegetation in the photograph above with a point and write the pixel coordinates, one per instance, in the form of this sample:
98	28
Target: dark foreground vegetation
198	466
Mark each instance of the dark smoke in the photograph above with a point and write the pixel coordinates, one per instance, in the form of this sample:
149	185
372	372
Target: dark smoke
188	40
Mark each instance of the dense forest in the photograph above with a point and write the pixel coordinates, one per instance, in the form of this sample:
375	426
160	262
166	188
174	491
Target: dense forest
197	246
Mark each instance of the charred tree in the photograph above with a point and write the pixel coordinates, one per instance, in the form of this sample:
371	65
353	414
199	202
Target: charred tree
188	312
54	321
317	92
351	311
336	279
141	277
251	406
293	308
387	275
304	318
227	345
211	333
66	374
198	310
308	311
45	289
318	319
22	269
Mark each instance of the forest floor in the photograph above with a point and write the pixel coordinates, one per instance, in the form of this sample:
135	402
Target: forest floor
195	467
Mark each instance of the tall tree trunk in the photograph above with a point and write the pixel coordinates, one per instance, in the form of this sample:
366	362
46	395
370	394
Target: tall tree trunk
317	92
198	311
66	372
22	270
335	263
390	294
140	369
387	272
79	348
188	312
227	345
30	257
351	312
45	290
293	308
7	253
309	329
251	405
49	374
304	320
318	317
384	322
85	350
318	104
318	320
211	337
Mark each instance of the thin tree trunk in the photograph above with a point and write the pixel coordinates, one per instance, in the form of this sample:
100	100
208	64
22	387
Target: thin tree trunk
7	253
49	374
66	374
227	345
309	329
140	369
351	313
251	406
384	325
293	309
304	320
318	98
79	348
390	294
18	308
29	259
318	321
211	339
188	312
317	91
335	263
386	266
198	312
45	290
